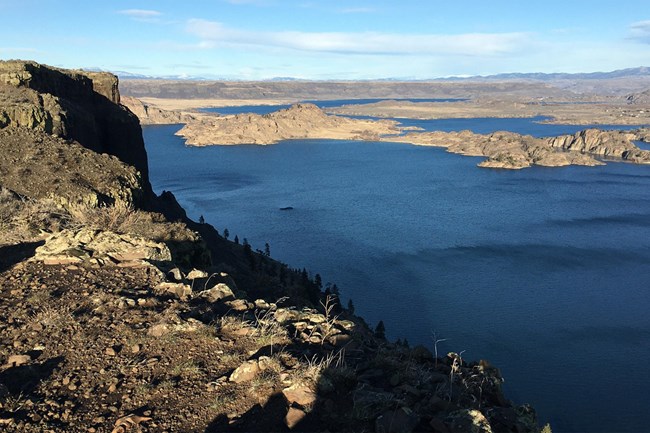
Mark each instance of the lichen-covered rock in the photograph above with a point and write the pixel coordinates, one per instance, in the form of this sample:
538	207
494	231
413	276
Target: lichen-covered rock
70	246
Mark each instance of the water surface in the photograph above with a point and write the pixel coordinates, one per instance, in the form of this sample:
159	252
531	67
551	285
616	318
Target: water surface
543	271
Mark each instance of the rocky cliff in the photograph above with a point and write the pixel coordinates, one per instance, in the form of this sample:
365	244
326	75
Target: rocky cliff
74	105
609	144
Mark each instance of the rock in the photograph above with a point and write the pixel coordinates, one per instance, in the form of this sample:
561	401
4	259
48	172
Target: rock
159	330
299	394
74	246
468	421
402	420
195	274
17	360
245	372
220	292
283	315
265	363
175	275
339	340
239	305
262	304
316	318
180	290
293	417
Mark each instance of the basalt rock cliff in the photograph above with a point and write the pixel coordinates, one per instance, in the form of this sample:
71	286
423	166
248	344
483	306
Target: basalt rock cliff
73	105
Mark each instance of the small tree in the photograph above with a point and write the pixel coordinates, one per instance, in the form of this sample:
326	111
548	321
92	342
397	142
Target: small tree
226	233
267	249
380	330
201	220
237	239
350	307
318	281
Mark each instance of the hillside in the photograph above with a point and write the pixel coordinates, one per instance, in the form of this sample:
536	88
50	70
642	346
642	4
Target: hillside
119	314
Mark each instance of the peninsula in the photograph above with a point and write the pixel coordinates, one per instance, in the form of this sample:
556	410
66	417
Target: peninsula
298	121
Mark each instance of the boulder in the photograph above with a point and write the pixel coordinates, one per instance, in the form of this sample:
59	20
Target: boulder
180	290
245	372
299	394
220	292
293	417
195	274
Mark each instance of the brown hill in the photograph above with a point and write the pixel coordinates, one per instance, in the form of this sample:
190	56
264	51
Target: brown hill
298	121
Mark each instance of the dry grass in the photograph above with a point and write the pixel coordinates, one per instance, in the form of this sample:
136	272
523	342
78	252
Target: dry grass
26	220
123	218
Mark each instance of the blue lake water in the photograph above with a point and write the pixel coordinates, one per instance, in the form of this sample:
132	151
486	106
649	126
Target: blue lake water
543	271
266	109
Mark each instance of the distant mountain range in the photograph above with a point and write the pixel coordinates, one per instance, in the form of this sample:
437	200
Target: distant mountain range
642	71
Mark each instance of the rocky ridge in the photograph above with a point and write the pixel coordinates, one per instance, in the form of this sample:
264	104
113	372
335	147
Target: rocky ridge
298	121
509	150
114	318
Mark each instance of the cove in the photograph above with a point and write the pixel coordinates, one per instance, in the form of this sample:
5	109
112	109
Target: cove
542	271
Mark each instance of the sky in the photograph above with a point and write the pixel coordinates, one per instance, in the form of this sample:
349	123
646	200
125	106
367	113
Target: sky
328	39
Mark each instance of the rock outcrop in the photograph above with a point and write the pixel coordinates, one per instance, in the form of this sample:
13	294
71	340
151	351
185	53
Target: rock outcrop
74	105
515	151
298	121
609	144
100	247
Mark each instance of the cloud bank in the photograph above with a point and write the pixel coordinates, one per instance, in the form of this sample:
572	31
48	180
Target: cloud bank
213	34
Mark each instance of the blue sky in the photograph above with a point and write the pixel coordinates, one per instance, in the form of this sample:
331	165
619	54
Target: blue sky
328	39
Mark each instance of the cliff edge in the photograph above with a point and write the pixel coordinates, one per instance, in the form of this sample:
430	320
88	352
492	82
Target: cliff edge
74	105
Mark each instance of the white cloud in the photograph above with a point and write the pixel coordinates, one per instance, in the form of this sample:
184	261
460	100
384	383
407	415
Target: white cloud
213	33
141	14
640	31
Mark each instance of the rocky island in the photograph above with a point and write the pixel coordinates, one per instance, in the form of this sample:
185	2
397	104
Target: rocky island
120	314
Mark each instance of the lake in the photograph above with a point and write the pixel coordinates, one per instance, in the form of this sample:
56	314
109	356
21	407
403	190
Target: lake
266	109
543	271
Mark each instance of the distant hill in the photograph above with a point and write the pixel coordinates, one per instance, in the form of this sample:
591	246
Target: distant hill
641	71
